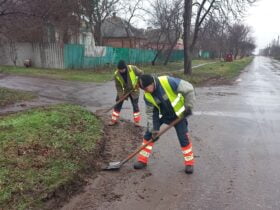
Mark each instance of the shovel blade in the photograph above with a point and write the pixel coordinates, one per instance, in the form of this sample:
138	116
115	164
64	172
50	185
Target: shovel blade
113	166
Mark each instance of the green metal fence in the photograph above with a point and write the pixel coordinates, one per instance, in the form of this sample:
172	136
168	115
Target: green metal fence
75	58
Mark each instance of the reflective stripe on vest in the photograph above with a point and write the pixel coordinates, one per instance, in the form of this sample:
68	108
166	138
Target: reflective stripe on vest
132	77
176	100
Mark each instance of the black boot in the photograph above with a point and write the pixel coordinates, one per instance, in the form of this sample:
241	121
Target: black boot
188	169
139	165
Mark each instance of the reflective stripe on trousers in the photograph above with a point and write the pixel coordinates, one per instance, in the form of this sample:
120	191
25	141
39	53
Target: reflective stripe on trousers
145	153
188	154
115	115
137	117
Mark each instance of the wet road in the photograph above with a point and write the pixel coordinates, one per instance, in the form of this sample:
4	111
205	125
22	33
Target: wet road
235	130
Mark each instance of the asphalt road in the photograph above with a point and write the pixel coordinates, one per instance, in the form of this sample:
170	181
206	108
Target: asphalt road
235	131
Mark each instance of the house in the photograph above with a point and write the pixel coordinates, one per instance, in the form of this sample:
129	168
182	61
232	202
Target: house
156	40
119	33
80	34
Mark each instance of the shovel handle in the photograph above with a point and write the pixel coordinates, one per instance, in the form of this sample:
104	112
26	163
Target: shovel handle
174	122
119	101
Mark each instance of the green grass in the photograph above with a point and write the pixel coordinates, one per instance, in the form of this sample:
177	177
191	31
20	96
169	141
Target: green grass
8	96
41	150
220	70
171	66
101	74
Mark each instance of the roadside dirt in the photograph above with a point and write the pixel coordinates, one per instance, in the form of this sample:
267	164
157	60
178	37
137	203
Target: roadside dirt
216	81
120	140
117	142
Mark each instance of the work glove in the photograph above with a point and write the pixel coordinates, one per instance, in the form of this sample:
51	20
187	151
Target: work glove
155	136
137	86
188	111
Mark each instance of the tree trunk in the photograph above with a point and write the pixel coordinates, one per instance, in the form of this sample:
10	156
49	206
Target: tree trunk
187	42
13	52
221	55
169	53
235	54
98	34
155	58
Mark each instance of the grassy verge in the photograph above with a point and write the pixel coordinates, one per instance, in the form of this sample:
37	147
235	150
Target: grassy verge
99	75
8	96
223	71
172	66
95	75
41	150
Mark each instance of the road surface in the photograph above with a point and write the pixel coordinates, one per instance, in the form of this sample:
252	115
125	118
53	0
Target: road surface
236	138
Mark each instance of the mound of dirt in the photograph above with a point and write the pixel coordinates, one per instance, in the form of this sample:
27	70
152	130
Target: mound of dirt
120	140
216	81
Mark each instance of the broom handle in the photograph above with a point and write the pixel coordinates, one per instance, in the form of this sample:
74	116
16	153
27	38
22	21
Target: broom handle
174	122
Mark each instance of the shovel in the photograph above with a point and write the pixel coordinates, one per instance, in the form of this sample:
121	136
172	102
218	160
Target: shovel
119	101
117	165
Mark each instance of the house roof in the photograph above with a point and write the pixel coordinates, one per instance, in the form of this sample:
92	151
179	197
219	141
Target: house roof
155	35
115	27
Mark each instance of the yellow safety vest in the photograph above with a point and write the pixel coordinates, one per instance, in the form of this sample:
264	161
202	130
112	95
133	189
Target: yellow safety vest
132	77
176	100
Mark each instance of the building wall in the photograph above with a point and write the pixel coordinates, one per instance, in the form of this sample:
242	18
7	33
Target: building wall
112	42
124	42
15	52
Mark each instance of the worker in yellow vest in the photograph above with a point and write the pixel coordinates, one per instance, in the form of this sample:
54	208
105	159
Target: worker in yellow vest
172	98
126	80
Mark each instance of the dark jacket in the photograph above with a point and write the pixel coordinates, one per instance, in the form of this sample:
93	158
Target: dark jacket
128	84
167	111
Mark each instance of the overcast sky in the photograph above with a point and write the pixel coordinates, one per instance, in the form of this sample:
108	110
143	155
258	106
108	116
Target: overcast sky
264	19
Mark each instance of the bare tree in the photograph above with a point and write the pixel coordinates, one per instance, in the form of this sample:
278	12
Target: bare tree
159	47
130	10
10	7
36	19
175	20
220	38
247	47
201	11
238	35
4	8
272	49
213	37
155	40
97	11
166	17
